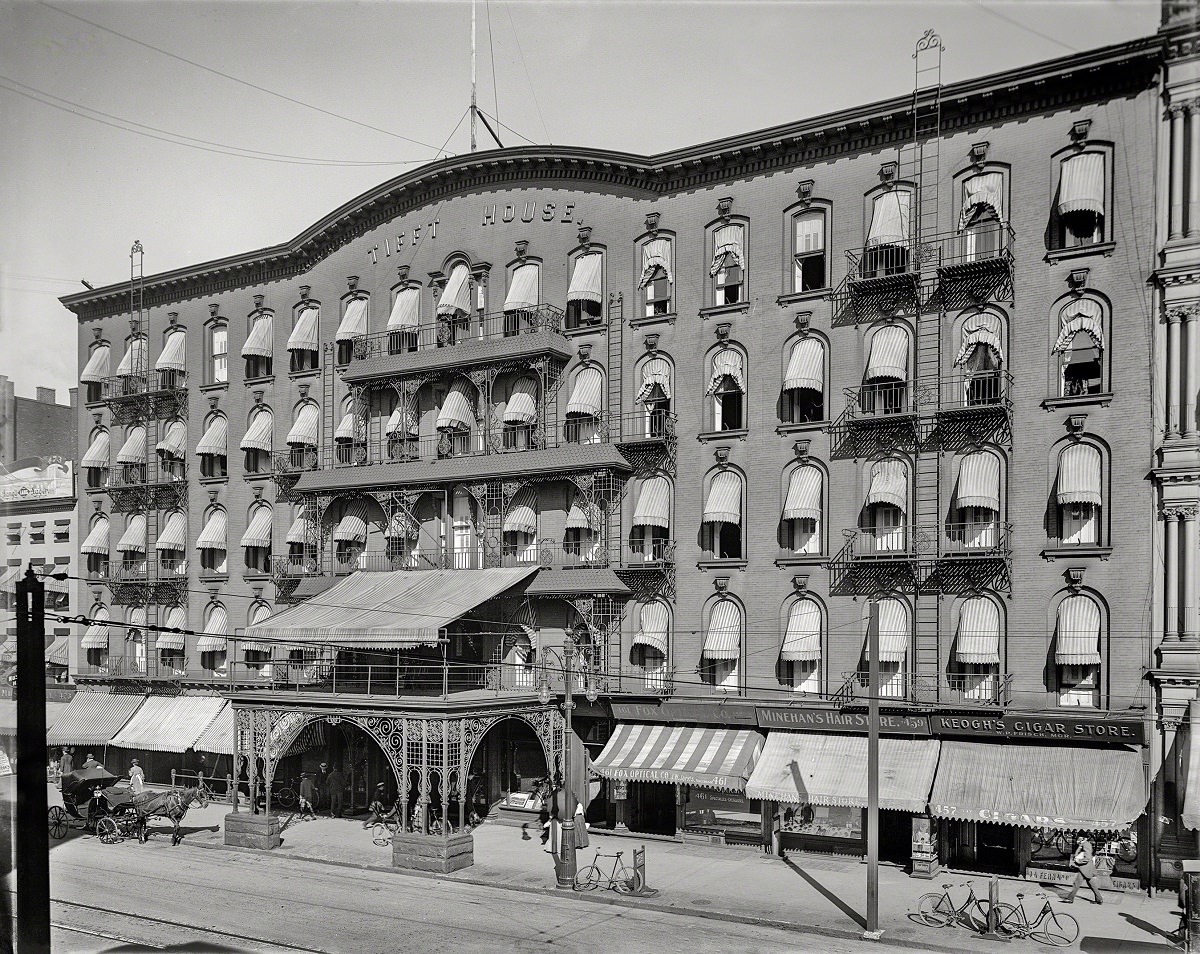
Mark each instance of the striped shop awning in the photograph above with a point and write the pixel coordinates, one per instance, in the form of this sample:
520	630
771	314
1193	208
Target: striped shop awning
406	310
587	393
655	373
890	216
1079	479
176	618
214	536
218	737
889	484
173	536
173	353
523	289
724	637
258	533
806	367
724	501
893	632
521	406
521	517
97	454
216	632
260	343
656	254
215	440
96	635
1081	188
96	369
306	335
586	279
260	434
174	442
134	361
352	528
306	429
1077	632
888	360
688	755
982	329
728	242
458	409
97	538
350	428
979	481
653	508
978	633
354	320
727	363
1081	315
803	500
133	540
92	718
403	421
456	296
133	451
653	625
986	190
802	639
303	529
168	723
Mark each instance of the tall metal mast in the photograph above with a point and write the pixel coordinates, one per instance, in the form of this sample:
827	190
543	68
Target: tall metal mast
474	108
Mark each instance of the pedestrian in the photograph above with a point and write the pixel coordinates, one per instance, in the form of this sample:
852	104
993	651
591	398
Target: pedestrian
307	795
321	782
66	764
201	764
90	762
552	831
378	807
337	790
581	829
1084	863
137	778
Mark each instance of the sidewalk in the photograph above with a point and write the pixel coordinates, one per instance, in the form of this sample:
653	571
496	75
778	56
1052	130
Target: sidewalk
819	893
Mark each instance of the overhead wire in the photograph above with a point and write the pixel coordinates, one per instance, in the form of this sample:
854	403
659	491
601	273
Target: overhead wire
528	78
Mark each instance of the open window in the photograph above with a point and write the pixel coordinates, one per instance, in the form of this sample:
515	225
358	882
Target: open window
1080	347
728	268
658	277
974	524
585	295
520	414
1079	490
259	349
809	262
974	671
721	535
650	528
887	249
802	509
885	507
727	390
654	395
1079	218
719	660
885	381
354	324
171	366
524	293
804	382
304	343
94	373
456	420
981	219
800	653
213	448
650	647
1077	652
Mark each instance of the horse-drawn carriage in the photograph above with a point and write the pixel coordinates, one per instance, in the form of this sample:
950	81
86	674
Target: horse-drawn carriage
114	813
81	798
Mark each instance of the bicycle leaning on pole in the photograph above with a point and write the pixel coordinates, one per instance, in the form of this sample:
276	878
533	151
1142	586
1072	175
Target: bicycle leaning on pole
1049	927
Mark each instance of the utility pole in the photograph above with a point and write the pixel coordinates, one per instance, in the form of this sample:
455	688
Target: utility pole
872	932
33	839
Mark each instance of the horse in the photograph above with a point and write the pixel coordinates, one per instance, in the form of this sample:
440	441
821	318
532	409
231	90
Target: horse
170	805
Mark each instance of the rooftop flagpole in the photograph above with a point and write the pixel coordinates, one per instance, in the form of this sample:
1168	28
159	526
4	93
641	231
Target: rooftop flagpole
474	108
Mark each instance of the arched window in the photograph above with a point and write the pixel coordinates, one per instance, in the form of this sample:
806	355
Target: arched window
1079	495
213	644
727	390
728	270
404	322
524	293
258	440
585	406
801	650
217	363
454	306
804	382
95	372
305	435
889	234
884	526
885	380
1080	346
256	541
304	343
354	324
257	655
980	357
350	435
213	542
519	532
1078	637
171	545
95	547
585	294
456	419
466	549
721	536
171	365
656	378
134	365
213	448
974	670
651	526
650	648
259	349
95	639
132	455
171	645
96	458
132	547
802	509
720	658
520	413
172	450
403	429
303	540
895	628
975	523
981	219
657	276
135	639
1079	208
581	535
809	264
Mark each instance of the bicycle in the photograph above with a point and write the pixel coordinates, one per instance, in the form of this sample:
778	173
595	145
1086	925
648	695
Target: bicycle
1060	929
939	910
385	829
621	879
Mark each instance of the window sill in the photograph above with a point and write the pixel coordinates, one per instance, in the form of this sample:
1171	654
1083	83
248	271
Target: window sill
251	477
803	428
256	576
1099	399
581	330
254	382
1076	552
95	405
647	320
732	434
1061	254
214	386
721	311
207	576
206	481
793	298
308	373
714	563
786	559
96	490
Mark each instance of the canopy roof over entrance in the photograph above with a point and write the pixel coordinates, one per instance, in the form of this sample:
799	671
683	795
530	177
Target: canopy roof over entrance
391	610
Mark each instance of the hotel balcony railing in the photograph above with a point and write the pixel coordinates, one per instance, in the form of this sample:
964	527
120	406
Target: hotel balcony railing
978	247
880	400
125	386
150	666
147	571
961	393
449	332
958	540
129	476
975	391
948	689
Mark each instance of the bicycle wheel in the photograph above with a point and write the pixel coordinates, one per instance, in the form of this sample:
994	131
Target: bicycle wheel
1059	930
286	797
976	916
589	879
932	910
626	880
381	834
1009	921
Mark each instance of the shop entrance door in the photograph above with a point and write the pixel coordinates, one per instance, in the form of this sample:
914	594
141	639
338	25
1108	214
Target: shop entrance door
981	846
652	808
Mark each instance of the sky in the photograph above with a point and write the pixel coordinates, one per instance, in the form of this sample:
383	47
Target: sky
207	129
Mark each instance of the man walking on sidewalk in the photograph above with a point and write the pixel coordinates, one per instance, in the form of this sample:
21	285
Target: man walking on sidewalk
337	788
1084	863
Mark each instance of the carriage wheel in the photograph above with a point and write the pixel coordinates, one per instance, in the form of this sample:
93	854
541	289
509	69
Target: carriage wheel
57	819
108	830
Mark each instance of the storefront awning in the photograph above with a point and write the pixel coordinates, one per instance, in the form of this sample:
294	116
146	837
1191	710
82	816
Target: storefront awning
260	343
260	434
218	737
456	296
96	369
1077	637
587	393
258	533
1079	475
174	442
523	288
1081	188
803	500
214	536
806	367
890	216
458	409
802	640
979	481
354	320
687	755
521	406
169	723
814	769
91	718
727	364
893	632
389	610
173	536
133	451
133	540
724	501
724	637
653	625
97	538
978	633
96	635
889	484
406	310
216	629
134	361
1039	786
176	618
172	356
306	430
653	507
888	360
656	254
98	452
586	283
655	373
306	334
215	439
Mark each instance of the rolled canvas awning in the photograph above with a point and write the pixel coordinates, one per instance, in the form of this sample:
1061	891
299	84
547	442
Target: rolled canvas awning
893	632
889	484
390	610
724	637
982	329
653	508
134	361
802	640
724	501
349	428
133	540
521	406
1079	479
406	310
96	369
1082	315
352	528
890	216
979	481
688	755
888	360
216	629
586	281
96	635
402	422
655	373
260	341
97	454
1077	632
587	393
354	320
306	335
133	451
174	442
803	501
1081	188
302	530
215	439
521	517
978	633
260	434
456	296
815	769
92	718
727	363
728	245
656	254
306	429
523	288
1065	787
258	533
583	515
986	191
171	358
173	536
169	723
97	538
214	536
176	618
653	626
806	367
458	409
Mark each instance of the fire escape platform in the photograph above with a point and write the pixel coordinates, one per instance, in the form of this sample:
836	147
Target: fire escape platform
379	364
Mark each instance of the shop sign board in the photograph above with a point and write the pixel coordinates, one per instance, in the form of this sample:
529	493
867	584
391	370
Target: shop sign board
1053	728
700	798
37	478
687	712
834	720
1060	876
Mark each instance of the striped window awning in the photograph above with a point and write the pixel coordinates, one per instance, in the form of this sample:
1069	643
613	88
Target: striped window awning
978	633
402	422
169	723
352	528
802	641
806	367
172	356
587	393
982	329
890	216
96	635
306	333
174	442
889	484
258	533
987	191
583	515
979	481
216	631
306	429
656	254
523	289
727	363
260	434
653	508
456	296
260	342
803	501
724	637
893	632
133	451
97	538
215	440
724	501
728	244
259	613
1082	315
402	525
176	618
96	369
888	360
586	279
1081	188
458	409
173	537
133	540
134	361
349	428
1077	640
97	454
406	310
137	621
354	320
655	373
1079	475
521	517
521	406
214	536
653	625
303	529
689	755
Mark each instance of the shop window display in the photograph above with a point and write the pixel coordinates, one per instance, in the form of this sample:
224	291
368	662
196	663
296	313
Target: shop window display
828	821
705	810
